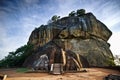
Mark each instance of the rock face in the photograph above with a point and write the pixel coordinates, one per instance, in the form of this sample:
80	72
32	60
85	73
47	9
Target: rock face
83	35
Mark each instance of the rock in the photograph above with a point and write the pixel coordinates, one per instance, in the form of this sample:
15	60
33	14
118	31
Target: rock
52	53
112	77
83	35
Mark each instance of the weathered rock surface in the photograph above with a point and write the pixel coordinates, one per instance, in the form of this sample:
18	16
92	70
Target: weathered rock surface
83	35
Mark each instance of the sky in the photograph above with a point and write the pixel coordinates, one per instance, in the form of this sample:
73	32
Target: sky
18	18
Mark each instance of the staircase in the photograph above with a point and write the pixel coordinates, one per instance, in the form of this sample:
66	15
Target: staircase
56	68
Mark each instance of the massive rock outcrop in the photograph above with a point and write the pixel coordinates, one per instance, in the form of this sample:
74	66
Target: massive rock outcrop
83	35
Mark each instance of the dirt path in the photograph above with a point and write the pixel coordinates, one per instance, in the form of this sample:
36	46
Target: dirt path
91	74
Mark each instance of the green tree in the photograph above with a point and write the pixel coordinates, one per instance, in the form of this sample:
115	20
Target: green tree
72	14
17	58
55	18
80	12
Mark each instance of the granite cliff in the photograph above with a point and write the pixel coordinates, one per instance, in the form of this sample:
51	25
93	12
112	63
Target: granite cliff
82	35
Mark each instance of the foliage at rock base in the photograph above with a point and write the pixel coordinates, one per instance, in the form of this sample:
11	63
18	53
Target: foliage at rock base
17	58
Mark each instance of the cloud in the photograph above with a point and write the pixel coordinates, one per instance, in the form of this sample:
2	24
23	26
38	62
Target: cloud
16	27
2	35
10	44
114	40
116	28
7	43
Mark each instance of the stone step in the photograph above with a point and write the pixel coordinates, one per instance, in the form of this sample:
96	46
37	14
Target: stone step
56	68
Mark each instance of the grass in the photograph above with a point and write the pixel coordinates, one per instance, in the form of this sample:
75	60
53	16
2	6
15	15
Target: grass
22	70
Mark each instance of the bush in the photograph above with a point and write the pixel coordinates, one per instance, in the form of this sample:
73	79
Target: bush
80	12
72	13
111	62
17	58
55	18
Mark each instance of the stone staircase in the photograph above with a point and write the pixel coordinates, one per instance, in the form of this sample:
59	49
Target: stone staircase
56	68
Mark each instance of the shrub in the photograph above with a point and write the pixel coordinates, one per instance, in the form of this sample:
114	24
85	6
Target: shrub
55	18
16	59
72	13
80	12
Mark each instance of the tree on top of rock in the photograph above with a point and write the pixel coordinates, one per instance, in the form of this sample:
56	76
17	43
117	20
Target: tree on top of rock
55	18
80	12
72	13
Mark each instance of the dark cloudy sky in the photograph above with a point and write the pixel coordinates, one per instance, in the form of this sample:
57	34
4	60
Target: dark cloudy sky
19	17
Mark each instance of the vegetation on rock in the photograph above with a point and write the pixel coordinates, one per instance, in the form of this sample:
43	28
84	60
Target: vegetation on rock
72	14
80	12
55	18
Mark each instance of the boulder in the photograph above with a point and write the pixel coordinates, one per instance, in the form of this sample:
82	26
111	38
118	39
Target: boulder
83	35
